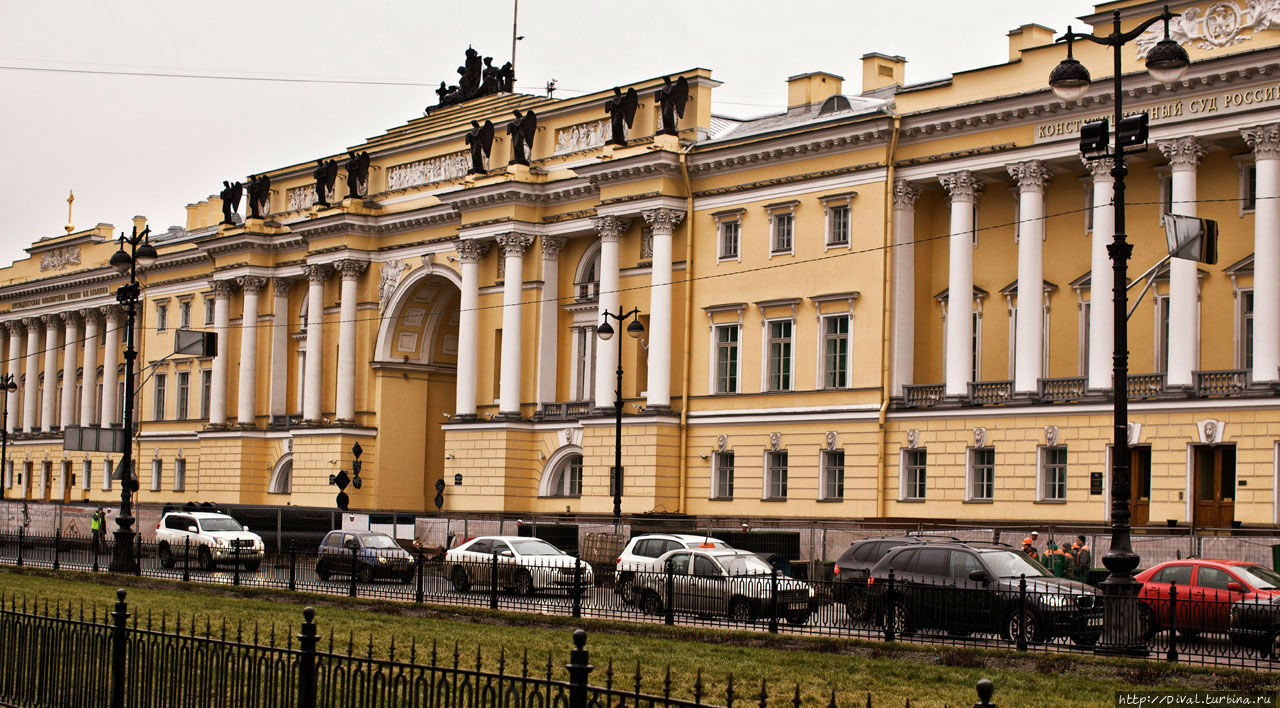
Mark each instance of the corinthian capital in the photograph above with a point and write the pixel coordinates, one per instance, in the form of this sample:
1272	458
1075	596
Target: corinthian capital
315	273
551	247
610	228
72	318
472	251
222	288
663	219
514	244
13	327
251	283
50	320
904	195
1182	153
350	269
1031	175
1100	169
280	286
962	186
1264	140
110	313
89	314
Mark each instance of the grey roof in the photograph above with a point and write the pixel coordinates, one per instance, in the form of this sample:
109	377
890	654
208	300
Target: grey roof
793	118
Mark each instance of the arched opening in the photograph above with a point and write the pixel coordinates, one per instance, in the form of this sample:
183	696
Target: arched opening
282	476
586	278
562	475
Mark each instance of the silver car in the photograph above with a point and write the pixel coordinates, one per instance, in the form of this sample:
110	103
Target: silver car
525	565
721	582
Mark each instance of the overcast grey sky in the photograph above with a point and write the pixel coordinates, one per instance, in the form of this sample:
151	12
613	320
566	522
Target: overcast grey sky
150	145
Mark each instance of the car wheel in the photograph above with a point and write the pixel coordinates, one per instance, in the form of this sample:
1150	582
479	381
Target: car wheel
166	555
524	583
205	558
651	603
459	579
1017	621
366	574
856	606
1087	639
1147	624
1272	649
624	588
322	570
252	566
900	619
798	618
740	611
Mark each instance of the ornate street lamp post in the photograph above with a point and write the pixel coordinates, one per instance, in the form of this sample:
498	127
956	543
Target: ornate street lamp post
7	384
141	254
1166	63
605	332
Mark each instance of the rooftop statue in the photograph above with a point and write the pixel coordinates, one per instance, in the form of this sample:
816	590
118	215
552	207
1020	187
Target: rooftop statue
230	196
508	78
357	174
470	75
491	82
622	113
671	98
522	131
259	196
477	77
480	141
326	172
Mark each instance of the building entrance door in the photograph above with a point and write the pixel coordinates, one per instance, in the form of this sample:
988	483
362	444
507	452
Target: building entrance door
1139	485
1214	476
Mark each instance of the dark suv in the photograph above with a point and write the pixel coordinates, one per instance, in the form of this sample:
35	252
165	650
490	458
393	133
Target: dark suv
368	554
854	565
966	588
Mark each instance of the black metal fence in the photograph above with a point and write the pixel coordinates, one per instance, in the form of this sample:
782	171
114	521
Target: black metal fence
64	657
1185	624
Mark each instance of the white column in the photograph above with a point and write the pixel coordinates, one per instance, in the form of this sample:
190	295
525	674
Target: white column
349	271
904	293
89	399
49	401
663	223
548	319
963	188
280	347
513	246
1031	177
110	361
316	275
1101	277
469	255
70	343
1184	156
1265	141
14	368
222	326
246	400
611	229
29	402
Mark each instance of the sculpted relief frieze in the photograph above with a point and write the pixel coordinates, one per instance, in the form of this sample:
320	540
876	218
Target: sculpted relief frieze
60	258
582	136
1222	24
435	169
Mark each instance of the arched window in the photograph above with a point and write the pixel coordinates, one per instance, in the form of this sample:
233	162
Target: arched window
282	477
563	477
586	281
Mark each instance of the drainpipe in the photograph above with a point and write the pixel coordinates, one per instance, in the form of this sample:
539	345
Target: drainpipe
688	329
887	316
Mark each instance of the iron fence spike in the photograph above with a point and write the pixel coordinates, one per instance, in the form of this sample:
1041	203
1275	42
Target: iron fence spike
796	701
832	702
764	693
391	654
728	693
868	699
368	652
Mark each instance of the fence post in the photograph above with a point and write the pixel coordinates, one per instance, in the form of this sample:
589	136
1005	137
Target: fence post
235	564
1022	612
493	580
1173	623
355	570
307	660
669	605
773	601
579	670
417	596
186	561
118	629
95	547
985	689
577	586
22	532
888	609
137	556
293	566
57	546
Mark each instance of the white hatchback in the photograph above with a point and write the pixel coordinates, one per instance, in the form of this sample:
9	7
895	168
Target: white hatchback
524	564
642	551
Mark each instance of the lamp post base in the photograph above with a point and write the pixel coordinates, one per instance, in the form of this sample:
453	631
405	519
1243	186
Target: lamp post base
1121	631
123	559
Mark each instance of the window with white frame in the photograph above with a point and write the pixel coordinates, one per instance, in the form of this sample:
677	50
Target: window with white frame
1013	338
180	474
1248	185
722	475
1161	333
208	311
730	239
832	474
206	386
184	395
1082	336
838	225
106	474
975	345
1053	473
1166	192
8	474
835	351
157	467
1244	330
779	354
184	314
1088	205
775	470
981	482
160	395
566	479
586	281
781	229
162	316
86	475
915	463
727	359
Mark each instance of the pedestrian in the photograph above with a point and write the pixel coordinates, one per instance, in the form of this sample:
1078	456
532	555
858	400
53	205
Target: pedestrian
95	525
1029	548
1084	558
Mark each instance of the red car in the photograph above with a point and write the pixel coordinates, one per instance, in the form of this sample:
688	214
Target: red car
1206	589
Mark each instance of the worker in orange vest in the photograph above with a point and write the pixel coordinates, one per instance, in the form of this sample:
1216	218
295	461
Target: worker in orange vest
1029	549
1084	557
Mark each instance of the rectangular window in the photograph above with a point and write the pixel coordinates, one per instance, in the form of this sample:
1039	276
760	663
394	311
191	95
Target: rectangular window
835	351
184	394
179	475
976	372
208	311
106	474
727	358
156	469
780	355
1088	207
1053	473
1083	353
1245	330
8	474
722	475
584	365
914	464
86	475
783	225
162	316
158	408
1249	188
730	236
833	474
776	474
1162	333
206	383
982	473
184	314
838	226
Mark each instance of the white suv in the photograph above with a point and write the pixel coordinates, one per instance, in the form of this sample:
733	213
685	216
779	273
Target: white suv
214	538
641	552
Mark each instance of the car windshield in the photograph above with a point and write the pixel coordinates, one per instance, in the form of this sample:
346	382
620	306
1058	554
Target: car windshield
535	547
746	565
1008	564
225	524
379	541
1258	576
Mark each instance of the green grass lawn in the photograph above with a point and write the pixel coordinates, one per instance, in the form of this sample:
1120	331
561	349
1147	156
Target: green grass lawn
928	676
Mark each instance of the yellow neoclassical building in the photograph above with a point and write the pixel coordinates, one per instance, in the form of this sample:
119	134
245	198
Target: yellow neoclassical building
889	303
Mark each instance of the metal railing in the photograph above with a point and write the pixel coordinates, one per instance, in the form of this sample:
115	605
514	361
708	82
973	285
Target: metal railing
1145	385
1220	383
922	396
984	393
1062	390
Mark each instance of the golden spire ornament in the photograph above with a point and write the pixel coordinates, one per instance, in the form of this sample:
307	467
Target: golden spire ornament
71	197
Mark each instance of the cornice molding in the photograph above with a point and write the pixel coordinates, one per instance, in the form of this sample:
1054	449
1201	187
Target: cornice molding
805	144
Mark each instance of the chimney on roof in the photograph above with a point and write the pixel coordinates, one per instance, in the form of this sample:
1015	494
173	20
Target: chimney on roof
1026	37
814	87
880	70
